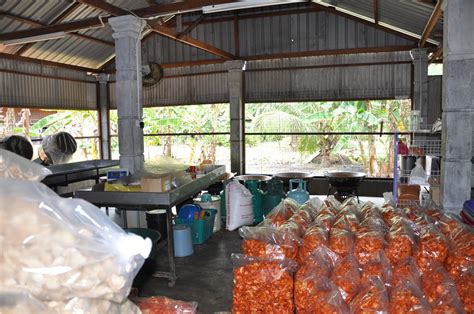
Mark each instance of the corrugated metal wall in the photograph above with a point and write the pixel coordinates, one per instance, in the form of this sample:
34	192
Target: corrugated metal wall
370	76
21	86
311	31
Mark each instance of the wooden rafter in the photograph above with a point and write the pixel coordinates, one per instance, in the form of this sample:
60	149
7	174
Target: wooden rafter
432	21
58	19
192	26
38	24
160	29
438	54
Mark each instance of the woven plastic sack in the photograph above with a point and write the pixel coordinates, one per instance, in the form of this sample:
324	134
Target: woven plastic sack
16	167
262	285
57	248
269	242
239	207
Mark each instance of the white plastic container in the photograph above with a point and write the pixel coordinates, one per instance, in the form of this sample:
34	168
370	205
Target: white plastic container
214	203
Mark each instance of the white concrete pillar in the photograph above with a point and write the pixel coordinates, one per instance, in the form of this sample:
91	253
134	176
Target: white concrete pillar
237	102
458	103
104	122
127	34
420	82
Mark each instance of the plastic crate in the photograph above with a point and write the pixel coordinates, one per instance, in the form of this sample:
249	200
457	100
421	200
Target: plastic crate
201	230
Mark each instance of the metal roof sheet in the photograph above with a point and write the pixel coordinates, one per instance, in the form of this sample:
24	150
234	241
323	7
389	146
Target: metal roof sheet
405	15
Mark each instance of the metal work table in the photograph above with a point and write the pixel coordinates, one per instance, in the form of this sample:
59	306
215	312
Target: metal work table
144	201
64	174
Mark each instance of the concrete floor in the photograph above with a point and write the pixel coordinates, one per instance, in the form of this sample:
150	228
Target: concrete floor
205	277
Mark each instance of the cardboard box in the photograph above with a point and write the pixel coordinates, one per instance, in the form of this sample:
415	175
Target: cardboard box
156	183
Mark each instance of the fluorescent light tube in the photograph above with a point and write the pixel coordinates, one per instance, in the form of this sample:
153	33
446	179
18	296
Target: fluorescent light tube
246	4
33	39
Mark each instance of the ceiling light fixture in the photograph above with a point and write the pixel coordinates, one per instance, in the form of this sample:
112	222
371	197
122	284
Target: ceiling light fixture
33	39
245	4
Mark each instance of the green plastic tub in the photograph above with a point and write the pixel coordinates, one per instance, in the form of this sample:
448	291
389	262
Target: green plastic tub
201	230
154	235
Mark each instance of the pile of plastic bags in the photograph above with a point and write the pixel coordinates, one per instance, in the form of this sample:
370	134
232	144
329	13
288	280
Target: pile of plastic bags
60	255
355	258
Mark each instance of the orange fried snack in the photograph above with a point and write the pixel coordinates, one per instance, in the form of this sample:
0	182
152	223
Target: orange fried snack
406	298
372	298
346	276
367	246
316	294
341	241
262	287
404	271
400	243
261	249
465	287
164	305
433	248
314	237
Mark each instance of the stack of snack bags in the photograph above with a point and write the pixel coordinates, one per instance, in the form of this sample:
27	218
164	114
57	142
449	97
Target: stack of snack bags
355	258
60	255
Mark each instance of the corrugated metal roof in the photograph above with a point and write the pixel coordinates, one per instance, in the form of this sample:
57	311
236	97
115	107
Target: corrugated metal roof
265	35
407	15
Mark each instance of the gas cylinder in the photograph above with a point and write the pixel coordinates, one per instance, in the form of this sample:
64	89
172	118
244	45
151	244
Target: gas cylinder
222	197
273	196
257	199
300	194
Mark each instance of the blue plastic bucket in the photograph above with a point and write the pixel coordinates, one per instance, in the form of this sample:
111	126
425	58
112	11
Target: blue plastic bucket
183	242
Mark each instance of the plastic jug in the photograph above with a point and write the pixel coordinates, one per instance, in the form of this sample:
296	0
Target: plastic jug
300	194
257	199
273	196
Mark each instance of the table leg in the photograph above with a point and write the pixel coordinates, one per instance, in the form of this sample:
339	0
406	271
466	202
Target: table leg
124	217
169	224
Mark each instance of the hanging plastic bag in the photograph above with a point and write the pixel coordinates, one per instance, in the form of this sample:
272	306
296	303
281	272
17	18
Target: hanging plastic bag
269	242
16	167
239	206
262	285
417	174
58	248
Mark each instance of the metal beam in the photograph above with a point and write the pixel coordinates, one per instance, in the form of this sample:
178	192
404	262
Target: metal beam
49	63
376	11
38	24
328	52
160	29
58	19
435	15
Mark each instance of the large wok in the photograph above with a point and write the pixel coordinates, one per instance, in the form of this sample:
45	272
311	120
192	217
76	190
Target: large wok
345	178
293	175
